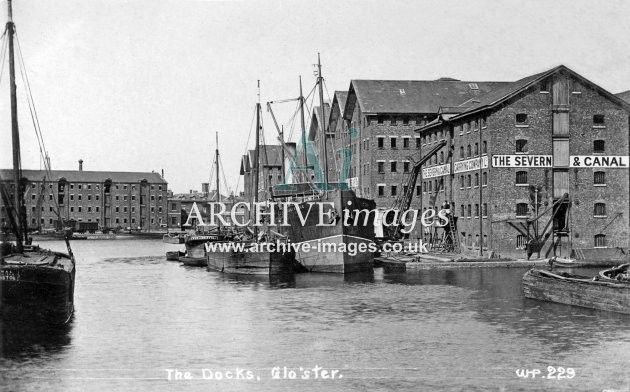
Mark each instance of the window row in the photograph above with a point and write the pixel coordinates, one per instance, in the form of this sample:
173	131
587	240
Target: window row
599	210
467	210
393	142
523	119
469	152
466	181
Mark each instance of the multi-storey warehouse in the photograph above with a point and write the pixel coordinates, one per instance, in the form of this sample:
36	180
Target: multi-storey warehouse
539	163
111	199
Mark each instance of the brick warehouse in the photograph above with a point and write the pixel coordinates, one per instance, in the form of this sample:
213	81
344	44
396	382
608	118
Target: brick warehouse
526	145
376	120
136	200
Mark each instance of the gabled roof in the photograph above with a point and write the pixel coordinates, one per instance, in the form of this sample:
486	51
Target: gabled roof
336	109
271	156
87	176
316	123
412	96
512	90
624	95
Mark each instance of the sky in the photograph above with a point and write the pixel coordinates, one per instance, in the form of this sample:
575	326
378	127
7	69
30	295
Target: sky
146	85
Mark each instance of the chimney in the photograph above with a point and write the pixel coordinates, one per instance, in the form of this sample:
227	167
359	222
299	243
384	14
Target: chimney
80	164
162	173
205	187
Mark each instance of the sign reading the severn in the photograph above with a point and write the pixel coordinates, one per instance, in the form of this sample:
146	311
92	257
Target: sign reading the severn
599	161
436	171
522	160
470	164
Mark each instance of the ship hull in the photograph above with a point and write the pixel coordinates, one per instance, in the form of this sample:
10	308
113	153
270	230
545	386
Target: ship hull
251	263
39	294
602	295
341	244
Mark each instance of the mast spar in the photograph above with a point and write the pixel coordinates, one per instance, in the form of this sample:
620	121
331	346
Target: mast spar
217	168
17	170
320	81
257	163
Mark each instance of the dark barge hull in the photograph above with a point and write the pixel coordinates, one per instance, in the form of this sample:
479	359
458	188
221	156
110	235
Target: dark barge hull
603	295
252	263
37	294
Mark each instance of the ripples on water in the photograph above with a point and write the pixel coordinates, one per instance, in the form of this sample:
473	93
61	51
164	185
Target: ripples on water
138	314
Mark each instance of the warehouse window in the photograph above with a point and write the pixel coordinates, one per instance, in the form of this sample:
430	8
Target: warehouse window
405	142
392	167
461	210
468	150
485	179
381	142
521	178
521	241
418	190
381	190
598	119
430	186
599	211
476	210
381	167
393	143
484	147
522	209
599	146
406	167
476	149
476	180
441	157
468	181
469	211
418	143
521	146
484	210
521	118
461	182
394	190
461	152
599	178
600	241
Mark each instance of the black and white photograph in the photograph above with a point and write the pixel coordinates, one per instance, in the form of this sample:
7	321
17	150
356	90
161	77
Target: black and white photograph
277	195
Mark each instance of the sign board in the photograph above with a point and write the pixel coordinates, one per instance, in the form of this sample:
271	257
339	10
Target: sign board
522	160
614	162
470	164
436	171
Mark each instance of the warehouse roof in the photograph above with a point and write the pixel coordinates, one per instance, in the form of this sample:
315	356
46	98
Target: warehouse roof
412	96
87	176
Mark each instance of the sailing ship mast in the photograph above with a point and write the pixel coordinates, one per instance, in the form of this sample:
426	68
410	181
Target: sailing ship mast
303	126
256	164
17	170
320	81
217	167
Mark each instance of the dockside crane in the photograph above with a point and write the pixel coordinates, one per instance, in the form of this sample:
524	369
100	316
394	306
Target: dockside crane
403	201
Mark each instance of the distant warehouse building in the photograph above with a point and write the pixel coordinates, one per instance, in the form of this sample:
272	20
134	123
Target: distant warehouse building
545	157
136	200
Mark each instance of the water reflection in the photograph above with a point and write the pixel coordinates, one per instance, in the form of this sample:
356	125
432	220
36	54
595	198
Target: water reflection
24	340
497	300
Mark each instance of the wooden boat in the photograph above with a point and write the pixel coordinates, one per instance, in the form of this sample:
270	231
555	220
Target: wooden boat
193	261
174	238
620	273
252	262
37	285
249	261
174	255
577	290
